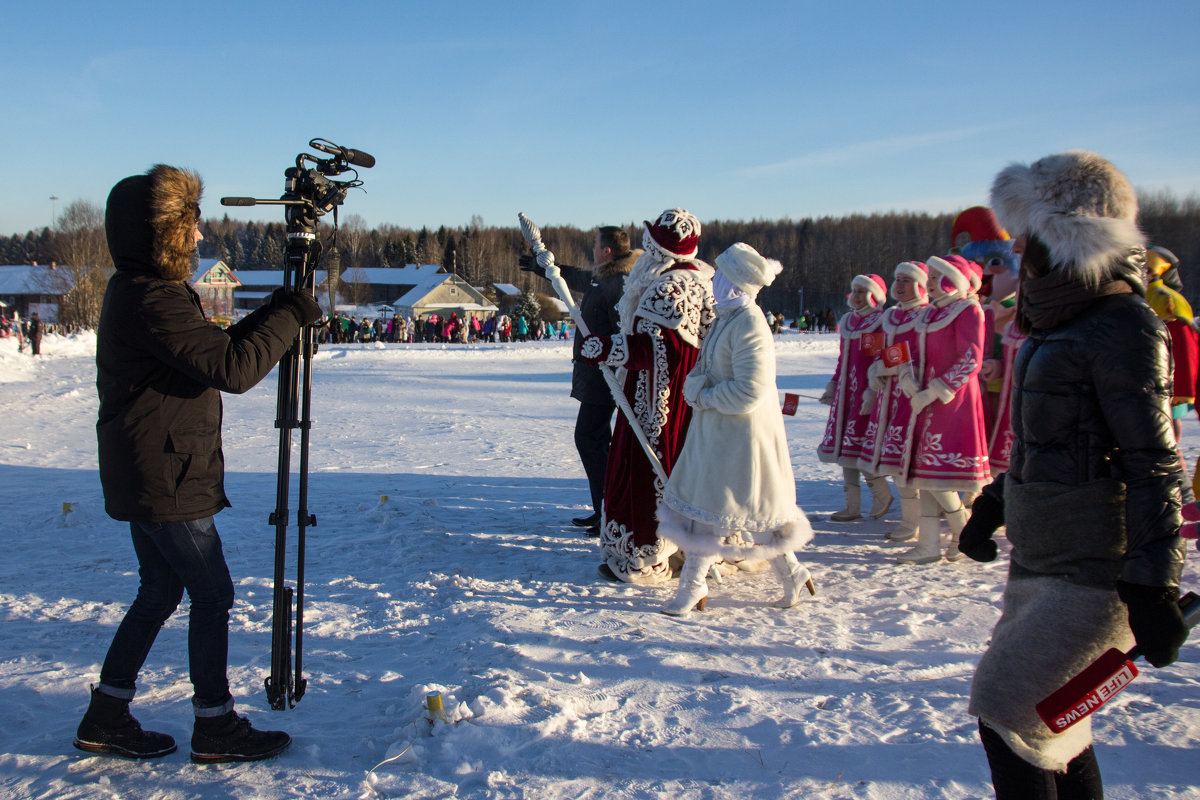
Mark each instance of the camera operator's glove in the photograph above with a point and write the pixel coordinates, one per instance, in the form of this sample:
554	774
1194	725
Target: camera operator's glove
975	541
302	305
826	398
1156	620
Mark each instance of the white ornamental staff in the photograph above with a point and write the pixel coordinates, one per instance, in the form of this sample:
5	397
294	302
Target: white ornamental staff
545	260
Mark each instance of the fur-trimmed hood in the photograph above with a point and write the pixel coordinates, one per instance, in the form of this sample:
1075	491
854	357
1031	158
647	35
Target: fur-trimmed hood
150	222
1076	203
617	266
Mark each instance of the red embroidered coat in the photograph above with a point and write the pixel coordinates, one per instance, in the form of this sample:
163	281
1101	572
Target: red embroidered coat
887	428
656	350
947	442
847	425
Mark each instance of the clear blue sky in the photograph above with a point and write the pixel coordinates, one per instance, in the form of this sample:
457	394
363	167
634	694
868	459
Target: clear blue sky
589	113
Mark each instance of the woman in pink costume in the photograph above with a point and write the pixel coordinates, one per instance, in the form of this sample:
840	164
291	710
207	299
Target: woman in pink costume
889	408
844	432
946	450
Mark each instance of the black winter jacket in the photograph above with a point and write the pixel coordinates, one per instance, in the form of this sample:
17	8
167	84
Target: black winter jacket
602	289
1093	490
160	365
160	369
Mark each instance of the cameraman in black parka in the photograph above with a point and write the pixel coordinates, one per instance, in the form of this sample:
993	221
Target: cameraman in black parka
161	367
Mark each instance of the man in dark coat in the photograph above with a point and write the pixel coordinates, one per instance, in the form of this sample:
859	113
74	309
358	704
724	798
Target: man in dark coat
160	369
601	287
36	329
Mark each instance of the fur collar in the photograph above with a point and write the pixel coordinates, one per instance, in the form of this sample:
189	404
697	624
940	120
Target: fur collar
617	266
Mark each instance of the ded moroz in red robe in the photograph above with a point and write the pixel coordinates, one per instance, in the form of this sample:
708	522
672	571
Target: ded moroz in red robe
665	312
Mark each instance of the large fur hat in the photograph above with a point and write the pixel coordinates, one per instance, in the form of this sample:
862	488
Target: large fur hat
1076	203
674	236
746	269
150	221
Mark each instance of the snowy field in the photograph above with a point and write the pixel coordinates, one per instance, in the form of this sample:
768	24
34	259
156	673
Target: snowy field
443	480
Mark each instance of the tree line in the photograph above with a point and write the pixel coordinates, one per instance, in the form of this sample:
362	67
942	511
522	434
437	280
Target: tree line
820	255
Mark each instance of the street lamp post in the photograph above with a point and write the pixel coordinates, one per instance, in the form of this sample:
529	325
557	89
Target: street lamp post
53	212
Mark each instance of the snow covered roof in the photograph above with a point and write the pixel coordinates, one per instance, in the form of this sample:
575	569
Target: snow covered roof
507	289
207	265
256	278
30	279
408	275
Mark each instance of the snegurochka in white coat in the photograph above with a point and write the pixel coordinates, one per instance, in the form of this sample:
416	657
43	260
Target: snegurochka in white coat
732	493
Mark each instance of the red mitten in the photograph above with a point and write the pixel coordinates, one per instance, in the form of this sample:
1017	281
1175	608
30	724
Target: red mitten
595	349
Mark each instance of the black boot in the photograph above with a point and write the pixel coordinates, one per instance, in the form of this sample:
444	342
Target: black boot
109	728
589	521
230	737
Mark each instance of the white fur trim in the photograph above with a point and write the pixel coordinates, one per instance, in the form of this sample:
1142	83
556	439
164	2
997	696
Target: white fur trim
1077	203
877	292
941	268
940	390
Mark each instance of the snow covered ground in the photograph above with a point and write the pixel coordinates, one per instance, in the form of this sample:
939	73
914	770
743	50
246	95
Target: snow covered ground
443	480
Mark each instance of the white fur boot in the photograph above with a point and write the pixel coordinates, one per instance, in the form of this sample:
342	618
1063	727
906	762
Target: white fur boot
957	520
910	514
881	495
794	576
929	545
693	586
853	497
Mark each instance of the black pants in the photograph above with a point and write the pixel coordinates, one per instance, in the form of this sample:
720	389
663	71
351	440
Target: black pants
593	432
1014	778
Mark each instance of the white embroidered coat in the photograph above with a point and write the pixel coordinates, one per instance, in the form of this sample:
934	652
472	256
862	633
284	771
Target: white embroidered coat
735	470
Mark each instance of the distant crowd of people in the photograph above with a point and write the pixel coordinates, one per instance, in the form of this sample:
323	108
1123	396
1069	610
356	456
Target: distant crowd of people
439	328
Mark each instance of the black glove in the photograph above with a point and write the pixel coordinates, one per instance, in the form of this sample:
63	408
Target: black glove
302	305
528	263
1156	620
975	541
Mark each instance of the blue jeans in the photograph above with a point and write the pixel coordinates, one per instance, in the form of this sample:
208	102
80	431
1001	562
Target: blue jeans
173	556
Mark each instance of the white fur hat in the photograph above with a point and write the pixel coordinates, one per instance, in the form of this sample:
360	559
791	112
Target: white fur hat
1076	203
875	287
917	271
746	269
955	269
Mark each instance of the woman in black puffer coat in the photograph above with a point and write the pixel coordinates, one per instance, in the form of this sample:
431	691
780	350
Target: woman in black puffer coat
1092	496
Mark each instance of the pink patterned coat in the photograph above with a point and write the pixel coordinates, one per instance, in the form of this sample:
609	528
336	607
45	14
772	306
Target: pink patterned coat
947	441
843	440
887	427
1000	445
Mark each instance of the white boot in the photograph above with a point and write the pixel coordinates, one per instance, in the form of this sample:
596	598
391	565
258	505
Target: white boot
693	588
929	546
958	520
853	501
910	514
881	495
794	576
